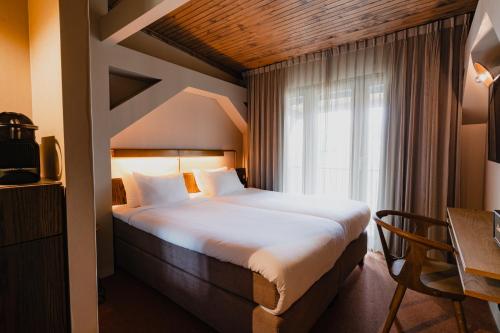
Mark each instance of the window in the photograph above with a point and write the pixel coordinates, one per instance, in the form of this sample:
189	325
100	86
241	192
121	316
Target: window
332	138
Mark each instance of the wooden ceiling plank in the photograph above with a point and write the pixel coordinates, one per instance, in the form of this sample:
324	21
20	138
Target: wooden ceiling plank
188	36
236	42
185	12
210	13
314	47
400	23
191	17
203	13
186	9
130	16
314	31
259	62
263	49
293	36
345	38
308	38
255	15
243	34
224	16
269	18
173	20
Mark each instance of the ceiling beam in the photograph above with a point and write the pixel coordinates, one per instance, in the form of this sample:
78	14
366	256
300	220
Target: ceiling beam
130	16
234	71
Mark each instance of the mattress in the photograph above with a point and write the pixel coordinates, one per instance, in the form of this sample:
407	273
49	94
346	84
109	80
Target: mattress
352	215
290	250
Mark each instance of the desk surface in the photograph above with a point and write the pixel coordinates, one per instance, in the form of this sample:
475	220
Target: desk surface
478	255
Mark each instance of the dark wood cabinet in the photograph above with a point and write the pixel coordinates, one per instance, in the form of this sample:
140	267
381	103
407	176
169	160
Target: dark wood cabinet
33	259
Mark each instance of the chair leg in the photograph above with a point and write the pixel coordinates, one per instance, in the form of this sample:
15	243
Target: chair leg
392	300
459	315
394	307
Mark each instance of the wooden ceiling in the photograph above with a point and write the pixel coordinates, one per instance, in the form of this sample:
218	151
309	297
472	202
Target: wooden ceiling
237	35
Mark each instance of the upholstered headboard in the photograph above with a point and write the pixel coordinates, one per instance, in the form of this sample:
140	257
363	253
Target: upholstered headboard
119	195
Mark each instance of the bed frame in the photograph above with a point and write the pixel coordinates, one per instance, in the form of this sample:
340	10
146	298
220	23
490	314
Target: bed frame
151	260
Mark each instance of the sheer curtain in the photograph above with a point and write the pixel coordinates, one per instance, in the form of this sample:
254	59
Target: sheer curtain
334	106
420	166
376	121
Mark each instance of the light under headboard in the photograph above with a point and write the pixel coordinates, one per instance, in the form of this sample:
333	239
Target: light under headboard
187	159
133	152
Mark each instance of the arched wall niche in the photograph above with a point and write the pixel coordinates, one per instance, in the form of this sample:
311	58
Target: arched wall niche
175	88
187	120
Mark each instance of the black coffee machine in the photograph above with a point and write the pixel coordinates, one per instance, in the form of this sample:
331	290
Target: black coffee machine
19	152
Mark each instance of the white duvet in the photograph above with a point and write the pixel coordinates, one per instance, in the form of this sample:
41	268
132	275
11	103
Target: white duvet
352	215
290	250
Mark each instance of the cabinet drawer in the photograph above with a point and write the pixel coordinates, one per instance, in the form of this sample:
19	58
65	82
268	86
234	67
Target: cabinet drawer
30	212
33	295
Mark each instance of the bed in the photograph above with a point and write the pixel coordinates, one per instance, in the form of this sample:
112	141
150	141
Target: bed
350	214
278	275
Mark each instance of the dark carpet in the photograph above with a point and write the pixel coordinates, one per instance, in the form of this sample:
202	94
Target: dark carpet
361	306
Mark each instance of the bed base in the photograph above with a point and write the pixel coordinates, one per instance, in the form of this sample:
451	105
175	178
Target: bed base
228	312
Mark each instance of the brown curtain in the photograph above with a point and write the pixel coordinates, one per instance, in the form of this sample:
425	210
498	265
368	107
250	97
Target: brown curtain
420	166
265	135
422	70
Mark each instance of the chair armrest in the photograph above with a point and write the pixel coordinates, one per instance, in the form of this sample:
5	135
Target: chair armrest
415	238
411	216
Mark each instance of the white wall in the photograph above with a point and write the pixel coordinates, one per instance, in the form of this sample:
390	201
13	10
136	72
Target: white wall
475	103
30	64
492	186
46	84
486	19
75	69
15	81
42	42
184	121
472	171
107	123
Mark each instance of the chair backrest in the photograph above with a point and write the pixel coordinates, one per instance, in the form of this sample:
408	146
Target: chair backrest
406	268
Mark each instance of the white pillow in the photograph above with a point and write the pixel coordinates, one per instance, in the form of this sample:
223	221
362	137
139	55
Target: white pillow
161	190
222	182
131	190
198	177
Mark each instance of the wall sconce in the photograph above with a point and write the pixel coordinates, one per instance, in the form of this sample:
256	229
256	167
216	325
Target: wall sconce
487	65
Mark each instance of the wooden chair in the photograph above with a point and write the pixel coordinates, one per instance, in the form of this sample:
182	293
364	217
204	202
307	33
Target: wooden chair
415	270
